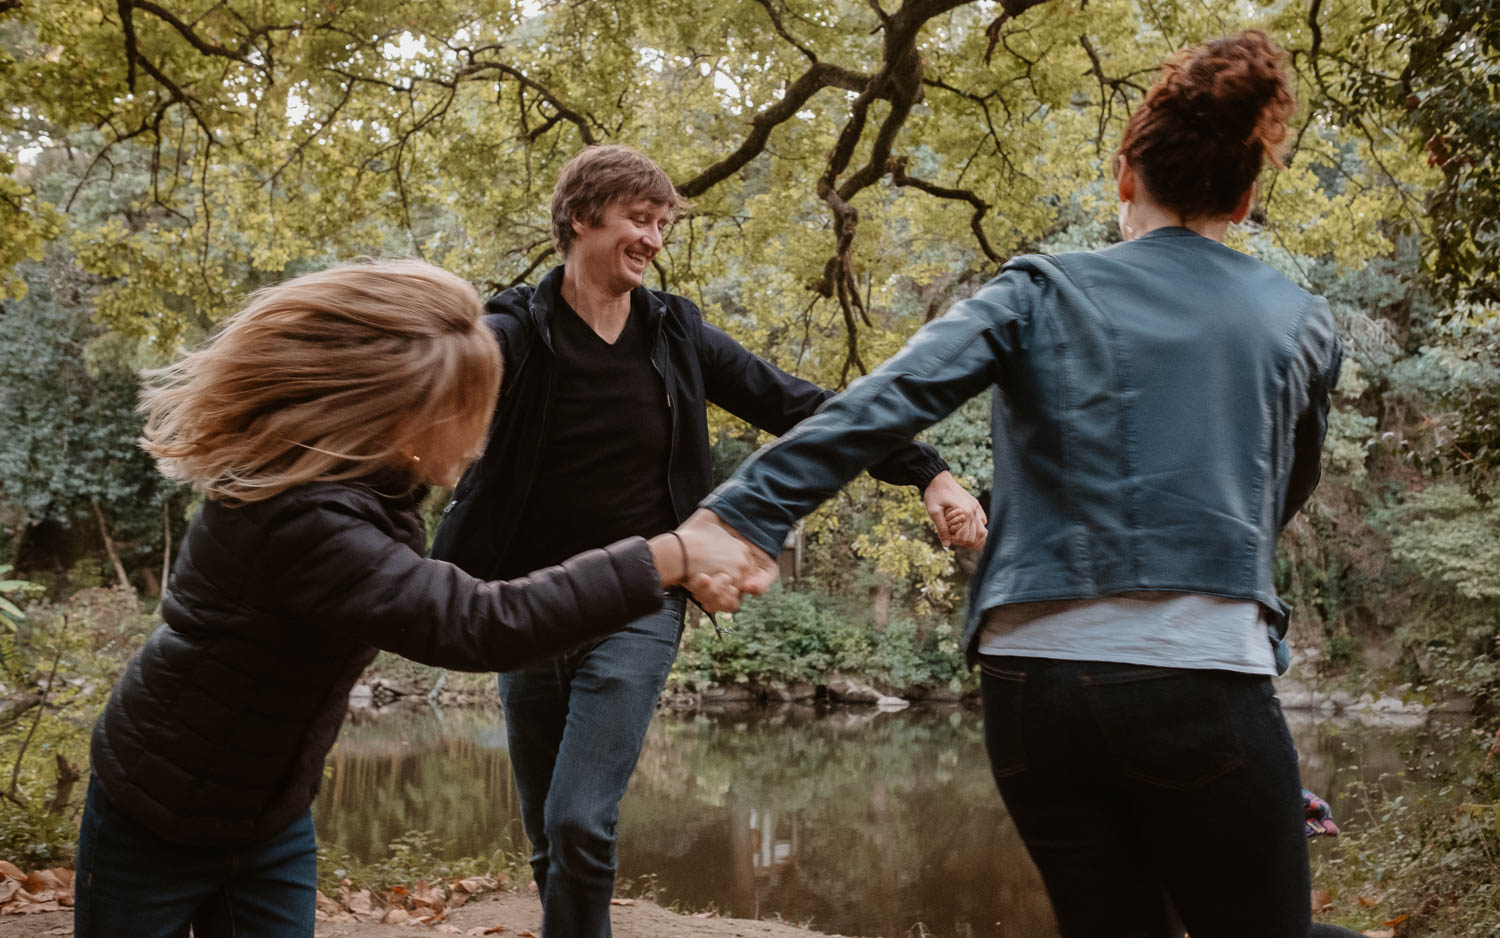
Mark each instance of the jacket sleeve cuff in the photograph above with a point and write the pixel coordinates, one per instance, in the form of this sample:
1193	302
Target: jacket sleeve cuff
769	537
640	581
916	465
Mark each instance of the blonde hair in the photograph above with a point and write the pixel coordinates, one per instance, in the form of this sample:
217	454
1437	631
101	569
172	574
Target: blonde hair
327	377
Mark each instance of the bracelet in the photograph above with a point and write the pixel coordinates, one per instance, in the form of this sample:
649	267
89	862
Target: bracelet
682	544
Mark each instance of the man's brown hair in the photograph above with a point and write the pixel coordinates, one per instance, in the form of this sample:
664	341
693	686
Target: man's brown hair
600	176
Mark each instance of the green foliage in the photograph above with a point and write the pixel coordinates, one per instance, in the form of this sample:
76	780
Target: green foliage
180	155
13	594
68	426
1455	378
1449	544
787	635
57	671
1424	846
1451	540
415	856
801	636
1436	81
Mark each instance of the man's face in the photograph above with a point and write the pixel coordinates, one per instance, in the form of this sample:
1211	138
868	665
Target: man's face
617	251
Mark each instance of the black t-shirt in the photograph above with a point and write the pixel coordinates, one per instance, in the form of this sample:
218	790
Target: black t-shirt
602	471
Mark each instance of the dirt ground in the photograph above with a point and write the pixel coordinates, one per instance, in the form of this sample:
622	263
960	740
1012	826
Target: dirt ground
508	915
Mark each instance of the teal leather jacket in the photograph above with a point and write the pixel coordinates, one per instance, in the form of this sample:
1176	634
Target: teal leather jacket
1160	408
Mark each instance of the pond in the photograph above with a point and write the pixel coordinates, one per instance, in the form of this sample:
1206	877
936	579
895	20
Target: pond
851	821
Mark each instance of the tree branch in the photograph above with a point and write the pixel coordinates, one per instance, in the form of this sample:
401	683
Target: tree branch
899	177
128	26
817	77
1010	9
15	772
781	30
109	546
196	41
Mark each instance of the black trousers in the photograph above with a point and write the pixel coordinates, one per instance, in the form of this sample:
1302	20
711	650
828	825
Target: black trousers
1140	790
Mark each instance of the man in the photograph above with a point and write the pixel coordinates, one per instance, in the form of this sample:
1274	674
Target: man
600	433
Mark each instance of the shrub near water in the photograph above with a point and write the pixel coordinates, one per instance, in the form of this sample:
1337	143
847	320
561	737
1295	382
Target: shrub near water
801	636
57	666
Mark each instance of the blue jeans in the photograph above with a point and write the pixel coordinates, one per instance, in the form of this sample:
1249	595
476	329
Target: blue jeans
576	724
1140	790
130	883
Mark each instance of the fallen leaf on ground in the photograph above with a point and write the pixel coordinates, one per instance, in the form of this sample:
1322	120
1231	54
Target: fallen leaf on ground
43	880
622	902
1321	899
360	902
10	869
1367	901
493	931
474	885
32	908
1397	920
397	916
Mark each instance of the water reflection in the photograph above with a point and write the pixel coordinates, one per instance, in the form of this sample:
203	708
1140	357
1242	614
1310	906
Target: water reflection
857	822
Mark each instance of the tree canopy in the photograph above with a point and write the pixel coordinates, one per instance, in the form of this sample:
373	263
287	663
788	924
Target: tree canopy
853	167
837	153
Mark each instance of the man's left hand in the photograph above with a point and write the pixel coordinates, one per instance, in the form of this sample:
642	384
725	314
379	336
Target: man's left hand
957	515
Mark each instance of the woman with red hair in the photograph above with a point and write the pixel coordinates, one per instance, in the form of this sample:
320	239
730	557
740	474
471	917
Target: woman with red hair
1160	408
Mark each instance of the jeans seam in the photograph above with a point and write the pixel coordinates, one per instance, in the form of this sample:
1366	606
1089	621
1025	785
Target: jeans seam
1016	679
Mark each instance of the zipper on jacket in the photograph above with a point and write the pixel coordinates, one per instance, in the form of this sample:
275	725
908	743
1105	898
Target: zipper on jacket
671	450
671	416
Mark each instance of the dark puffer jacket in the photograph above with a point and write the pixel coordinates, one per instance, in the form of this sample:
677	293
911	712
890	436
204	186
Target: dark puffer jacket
217	732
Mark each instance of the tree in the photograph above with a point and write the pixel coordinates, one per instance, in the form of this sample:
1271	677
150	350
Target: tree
68	429
854	166
894	145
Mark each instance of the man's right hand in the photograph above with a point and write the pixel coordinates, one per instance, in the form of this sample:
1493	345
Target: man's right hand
705	532
716	565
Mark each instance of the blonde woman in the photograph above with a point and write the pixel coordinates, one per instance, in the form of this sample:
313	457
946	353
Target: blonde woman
312	423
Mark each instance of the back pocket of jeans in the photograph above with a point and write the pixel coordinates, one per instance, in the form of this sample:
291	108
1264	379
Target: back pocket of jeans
1164	726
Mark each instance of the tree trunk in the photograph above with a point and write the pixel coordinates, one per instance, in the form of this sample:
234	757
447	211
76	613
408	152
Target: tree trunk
67	776
109	547
20	540
882	603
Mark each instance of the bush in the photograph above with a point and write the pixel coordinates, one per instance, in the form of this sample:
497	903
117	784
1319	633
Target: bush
57	667
1449	544
796	636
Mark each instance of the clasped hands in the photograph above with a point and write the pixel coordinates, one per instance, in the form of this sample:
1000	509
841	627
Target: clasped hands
720	567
